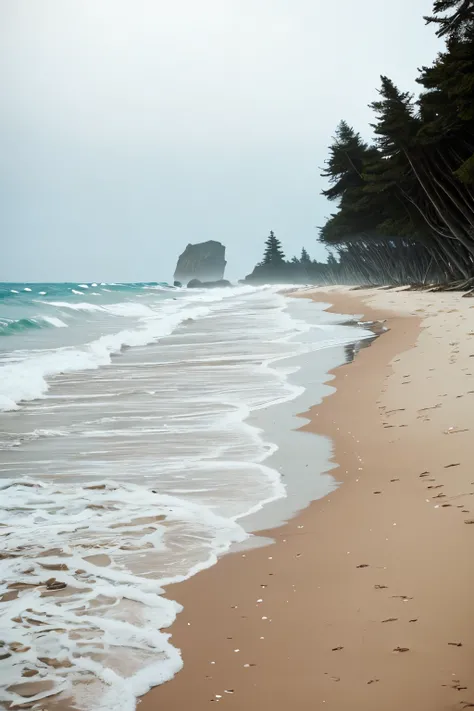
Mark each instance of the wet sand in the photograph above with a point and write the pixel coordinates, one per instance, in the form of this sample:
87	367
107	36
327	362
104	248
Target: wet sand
366	599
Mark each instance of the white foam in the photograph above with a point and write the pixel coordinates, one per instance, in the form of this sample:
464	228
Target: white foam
14	291
120	605
83	286
54	321
27	380
84	306
129	309
27	288
74	291
113	605
126	308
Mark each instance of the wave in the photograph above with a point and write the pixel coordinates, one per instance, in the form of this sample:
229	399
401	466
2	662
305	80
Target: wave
114	541
23	292
125	308
9	327
27	379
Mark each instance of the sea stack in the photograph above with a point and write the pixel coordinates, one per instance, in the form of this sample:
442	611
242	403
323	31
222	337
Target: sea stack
204	261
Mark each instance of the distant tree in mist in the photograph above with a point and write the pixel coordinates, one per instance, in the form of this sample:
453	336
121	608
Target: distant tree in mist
273	251
305	258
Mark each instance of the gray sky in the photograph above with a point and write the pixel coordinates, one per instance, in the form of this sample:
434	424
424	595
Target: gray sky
129	128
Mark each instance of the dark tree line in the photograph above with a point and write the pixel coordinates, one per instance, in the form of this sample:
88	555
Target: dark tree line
275	268
406	202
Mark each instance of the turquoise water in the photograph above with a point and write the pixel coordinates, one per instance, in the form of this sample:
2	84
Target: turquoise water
46	328
33	306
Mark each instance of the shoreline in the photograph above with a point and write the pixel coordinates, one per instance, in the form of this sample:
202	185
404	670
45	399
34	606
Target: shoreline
363	600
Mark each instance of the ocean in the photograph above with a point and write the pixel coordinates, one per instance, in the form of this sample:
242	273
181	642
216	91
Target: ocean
145	431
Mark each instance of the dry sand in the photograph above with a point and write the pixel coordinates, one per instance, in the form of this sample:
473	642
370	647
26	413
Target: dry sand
366	600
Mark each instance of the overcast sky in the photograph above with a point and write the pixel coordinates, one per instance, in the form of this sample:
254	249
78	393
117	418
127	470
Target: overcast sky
129	128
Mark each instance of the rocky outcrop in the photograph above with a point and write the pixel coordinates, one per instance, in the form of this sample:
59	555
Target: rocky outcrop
196	284
204	261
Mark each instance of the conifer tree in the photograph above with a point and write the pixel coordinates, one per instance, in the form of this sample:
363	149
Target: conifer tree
305	258
405	205
273	251
453	17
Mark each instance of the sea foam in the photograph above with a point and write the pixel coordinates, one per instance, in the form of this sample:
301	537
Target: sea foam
27	380
131	480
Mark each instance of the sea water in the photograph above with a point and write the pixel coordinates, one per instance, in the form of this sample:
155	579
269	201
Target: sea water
144	430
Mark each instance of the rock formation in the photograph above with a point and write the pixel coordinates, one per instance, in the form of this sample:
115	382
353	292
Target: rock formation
204	261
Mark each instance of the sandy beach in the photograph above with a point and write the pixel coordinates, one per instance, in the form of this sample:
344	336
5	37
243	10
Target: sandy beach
365	600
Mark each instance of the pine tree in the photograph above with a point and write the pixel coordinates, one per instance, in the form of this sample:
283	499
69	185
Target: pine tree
305	258
458	17
405	205
396	124
344	166
273	251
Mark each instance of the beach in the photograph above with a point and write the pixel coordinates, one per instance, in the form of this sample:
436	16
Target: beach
365	599
144	431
